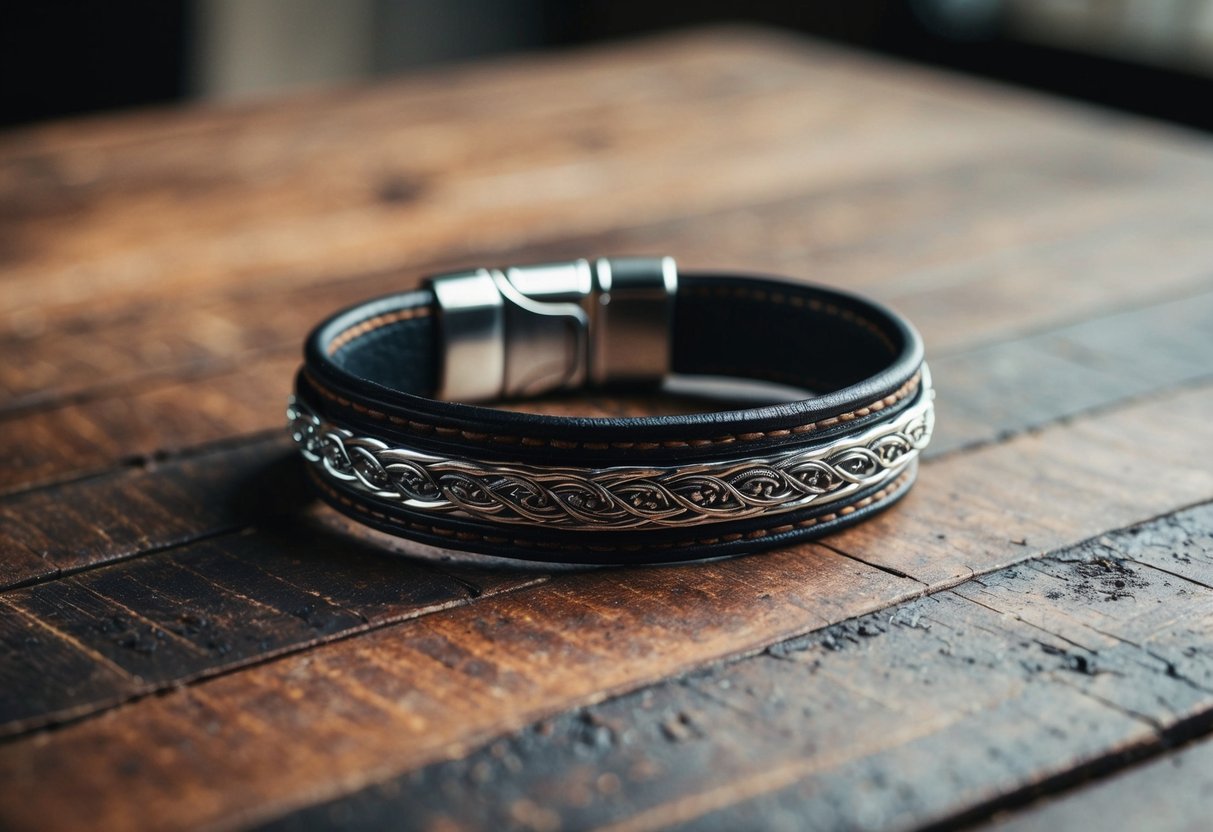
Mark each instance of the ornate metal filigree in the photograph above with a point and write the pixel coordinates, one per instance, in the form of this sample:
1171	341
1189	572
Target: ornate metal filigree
623	497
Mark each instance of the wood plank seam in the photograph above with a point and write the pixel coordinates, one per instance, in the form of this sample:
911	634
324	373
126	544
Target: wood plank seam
222	363
1159	739
201	451
147	460
937	581
1113	802
183	453
708	215
76	644
997	222
57	572
141	690
1093	411
883	567
1166	739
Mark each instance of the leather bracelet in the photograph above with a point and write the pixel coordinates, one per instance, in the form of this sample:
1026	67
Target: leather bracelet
383	412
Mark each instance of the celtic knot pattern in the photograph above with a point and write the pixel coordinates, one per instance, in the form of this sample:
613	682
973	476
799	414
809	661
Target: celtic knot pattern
622	497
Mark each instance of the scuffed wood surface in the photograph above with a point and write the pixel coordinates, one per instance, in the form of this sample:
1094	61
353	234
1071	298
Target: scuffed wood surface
186	640
950	704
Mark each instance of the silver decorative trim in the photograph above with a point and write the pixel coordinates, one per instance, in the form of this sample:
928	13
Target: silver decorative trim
618	497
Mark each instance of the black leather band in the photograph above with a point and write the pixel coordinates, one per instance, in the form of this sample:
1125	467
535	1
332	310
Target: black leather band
371	371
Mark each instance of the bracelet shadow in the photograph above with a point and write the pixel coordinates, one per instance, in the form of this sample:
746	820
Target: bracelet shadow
289	526
278	502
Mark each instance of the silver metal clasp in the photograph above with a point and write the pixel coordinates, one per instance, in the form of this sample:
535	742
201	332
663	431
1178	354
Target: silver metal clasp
525	330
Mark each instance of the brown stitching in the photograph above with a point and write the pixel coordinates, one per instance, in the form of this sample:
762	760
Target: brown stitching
778	298
739	292
528	441
372	324
754	534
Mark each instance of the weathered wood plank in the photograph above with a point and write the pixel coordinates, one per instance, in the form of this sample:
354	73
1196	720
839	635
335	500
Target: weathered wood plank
206	608
866	233
341	563
145	508
985	392
1097	274
1010	386
934	542
1181	544
949	706
42	671
1168	794
92	437
407	695
980	246
20	564
988	393
1126	643
1042	491
492	657
379	179
374	180
123	637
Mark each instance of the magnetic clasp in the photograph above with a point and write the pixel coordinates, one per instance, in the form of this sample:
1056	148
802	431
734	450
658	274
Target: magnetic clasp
547	326
630	332
471	315
525	330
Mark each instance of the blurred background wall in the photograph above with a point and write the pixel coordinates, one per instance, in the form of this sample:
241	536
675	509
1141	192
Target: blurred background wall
63	57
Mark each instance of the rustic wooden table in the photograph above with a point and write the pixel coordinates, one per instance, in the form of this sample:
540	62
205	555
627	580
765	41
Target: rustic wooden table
1025	642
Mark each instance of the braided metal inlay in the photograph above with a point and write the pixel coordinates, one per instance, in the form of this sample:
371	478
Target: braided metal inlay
622	497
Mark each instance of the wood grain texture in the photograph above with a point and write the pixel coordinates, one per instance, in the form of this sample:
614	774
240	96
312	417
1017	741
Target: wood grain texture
297	191
1021	215
205	608
499	663
1033	478
1036	215
1001	388
948	706
143	508
987	393
1170	793
185	640
89	438
989	388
